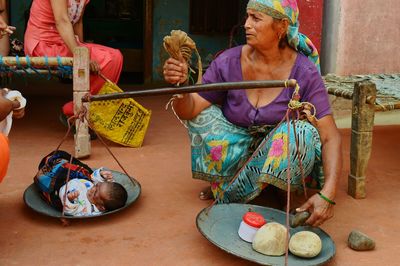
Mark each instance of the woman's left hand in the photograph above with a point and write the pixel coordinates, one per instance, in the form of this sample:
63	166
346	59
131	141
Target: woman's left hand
5	29
320	210
94	67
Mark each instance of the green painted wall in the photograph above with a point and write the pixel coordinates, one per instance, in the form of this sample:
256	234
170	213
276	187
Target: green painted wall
18	10
174	14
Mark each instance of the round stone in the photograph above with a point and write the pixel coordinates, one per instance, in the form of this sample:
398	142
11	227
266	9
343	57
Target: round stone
270	239
305	244
299	218
360	241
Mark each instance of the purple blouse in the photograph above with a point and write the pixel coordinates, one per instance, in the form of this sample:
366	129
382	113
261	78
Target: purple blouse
235	104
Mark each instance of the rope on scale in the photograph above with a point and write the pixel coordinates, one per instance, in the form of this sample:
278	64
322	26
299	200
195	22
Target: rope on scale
52	66
82	117
180	46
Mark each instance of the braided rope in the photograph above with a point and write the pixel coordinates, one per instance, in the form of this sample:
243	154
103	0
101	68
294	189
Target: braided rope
27	68
180	46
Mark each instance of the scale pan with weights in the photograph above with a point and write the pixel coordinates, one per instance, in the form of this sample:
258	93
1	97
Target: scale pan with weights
219	224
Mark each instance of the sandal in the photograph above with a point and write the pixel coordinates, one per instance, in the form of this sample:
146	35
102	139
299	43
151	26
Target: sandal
206	194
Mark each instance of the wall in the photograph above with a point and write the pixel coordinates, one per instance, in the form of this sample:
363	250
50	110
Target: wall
17	17
361	37
310	17
174	14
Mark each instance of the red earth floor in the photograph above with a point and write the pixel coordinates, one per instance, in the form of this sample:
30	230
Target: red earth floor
160	229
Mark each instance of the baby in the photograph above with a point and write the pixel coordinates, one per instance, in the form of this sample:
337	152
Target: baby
86	193
86	197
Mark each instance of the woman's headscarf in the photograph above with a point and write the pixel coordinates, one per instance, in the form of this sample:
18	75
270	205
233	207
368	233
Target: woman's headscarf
288	9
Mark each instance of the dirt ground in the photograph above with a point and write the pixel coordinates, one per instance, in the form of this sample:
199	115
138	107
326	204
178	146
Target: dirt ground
160	229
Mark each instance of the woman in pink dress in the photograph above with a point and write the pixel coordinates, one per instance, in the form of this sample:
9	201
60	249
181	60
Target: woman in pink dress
55	28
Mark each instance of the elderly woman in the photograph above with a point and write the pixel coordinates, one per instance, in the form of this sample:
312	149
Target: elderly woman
55	28
222	124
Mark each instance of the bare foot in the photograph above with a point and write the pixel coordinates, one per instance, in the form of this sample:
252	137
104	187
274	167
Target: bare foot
206	194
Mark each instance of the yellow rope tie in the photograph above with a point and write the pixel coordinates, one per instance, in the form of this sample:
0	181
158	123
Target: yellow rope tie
295	104
170	103
384	107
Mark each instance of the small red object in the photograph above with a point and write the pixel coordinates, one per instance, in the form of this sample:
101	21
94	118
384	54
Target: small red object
254	219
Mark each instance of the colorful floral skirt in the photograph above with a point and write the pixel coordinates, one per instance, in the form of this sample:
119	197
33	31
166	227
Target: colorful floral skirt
221	152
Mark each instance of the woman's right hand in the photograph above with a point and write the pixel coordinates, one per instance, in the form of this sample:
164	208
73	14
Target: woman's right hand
17	111
175	72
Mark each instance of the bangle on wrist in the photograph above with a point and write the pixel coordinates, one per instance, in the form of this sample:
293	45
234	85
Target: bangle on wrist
326	198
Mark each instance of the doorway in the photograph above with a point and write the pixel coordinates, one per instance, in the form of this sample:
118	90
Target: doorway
122	24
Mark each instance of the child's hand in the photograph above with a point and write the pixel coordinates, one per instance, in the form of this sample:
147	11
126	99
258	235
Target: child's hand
73	195
107	175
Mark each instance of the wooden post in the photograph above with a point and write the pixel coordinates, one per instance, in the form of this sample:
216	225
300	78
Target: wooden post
361	136
81	87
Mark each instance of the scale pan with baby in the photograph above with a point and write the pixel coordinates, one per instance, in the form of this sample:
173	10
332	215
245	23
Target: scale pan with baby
34	201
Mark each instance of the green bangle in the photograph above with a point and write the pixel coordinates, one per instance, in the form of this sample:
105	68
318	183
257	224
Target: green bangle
326	199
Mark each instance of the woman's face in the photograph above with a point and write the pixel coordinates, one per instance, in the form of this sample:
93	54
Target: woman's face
260	30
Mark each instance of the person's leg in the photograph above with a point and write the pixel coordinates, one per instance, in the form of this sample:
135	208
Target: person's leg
270	163
110	61
217	149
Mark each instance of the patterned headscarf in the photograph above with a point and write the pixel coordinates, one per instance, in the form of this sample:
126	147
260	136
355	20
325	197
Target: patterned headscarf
281	9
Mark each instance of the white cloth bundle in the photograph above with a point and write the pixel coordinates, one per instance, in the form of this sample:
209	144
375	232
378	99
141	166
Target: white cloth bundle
5	125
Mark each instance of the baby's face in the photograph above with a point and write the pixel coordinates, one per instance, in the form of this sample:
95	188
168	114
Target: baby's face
98	194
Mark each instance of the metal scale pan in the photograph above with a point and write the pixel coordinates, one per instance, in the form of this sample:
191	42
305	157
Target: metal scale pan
34	201
220	226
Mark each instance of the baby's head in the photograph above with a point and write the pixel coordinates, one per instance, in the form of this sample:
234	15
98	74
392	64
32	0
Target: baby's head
107	196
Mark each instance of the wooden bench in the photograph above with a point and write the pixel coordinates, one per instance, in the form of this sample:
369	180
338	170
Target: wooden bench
81	84
368	96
